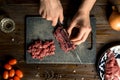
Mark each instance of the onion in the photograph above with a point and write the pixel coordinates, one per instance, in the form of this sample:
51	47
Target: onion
114	19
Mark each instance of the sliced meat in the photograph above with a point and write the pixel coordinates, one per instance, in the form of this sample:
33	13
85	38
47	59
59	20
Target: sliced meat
41	49
63	38
112	69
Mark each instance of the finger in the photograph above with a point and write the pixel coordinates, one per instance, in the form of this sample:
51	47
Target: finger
54	22
49	18
83	39
72	25
40	12
61	18
77	42
43	15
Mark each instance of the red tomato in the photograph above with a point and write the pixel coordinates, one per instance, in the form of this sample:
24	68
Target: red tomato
12	62
11	73
5	75
7	67
19	73
16	78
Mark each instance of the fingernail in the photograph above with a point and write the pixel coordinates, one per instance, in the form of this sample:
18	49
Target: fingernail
62	22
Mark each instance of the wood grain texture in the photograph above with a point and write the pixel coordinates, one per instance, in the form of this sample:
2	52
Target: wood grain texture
98	2
12	44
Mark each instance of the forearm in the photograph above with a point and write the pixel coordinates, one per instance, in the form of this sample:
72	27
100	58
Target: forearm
86	6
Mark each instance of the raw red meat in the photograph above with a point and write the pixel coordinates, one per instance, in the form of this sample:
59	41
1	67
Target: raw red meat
41	49
63	38
112	69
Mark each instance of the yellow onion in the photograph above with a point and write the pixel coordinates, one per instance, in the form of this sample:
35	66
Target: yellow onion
114	19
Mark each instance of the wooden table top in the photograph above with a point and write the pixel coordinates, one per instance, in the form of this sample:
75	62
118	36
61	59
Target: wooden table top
12	44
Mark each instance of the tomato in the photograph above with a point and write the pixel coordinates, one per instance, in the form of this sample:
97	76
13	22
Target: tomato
11	73
16	78
12	62
5	75
19	73
7	67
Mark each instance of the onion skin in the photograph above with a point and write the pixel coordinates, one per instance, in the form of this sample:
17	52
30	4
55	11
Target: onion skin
114	20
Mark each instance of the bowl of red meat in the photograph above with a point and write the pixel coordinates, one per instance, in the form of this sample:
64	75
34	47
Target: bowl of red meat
109	64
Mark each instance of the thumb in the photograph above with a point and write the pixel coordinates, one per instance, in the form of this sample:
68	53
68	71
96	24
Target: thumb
61	18
72	25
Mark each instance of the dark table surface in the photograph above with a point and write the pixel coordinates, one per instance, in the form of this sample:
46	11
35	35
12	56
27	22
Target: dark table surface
12	44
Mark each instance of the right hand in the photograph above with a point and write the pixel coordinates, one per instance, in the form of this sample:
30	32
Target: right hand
81	21
51	10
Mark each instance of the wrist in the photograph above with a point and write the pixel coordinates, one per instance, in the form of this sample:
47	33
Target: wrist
86	6
83	12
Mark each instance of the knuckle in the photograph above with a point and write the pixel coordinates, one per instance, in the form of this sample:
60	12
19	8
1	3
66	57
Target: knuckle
89	28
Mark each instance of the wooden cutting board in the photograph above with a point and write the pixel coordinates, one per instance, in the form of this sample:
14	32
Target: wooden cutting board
39	28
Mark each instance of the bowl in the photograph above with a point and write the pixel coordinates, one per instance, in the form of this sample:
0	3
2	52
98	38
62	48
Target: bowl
102	61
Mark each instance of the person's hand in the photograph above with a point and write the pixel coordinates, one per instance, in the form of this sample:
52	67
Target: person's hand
51	10
82	22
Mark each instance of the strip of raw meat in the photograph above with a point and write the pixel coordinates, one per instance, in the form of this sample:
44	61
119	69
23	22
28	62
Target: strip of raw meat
63	38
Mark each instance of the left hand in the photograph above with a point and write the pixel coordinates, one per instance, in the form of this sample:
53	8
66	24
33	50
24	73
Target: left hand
81	21
51	10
